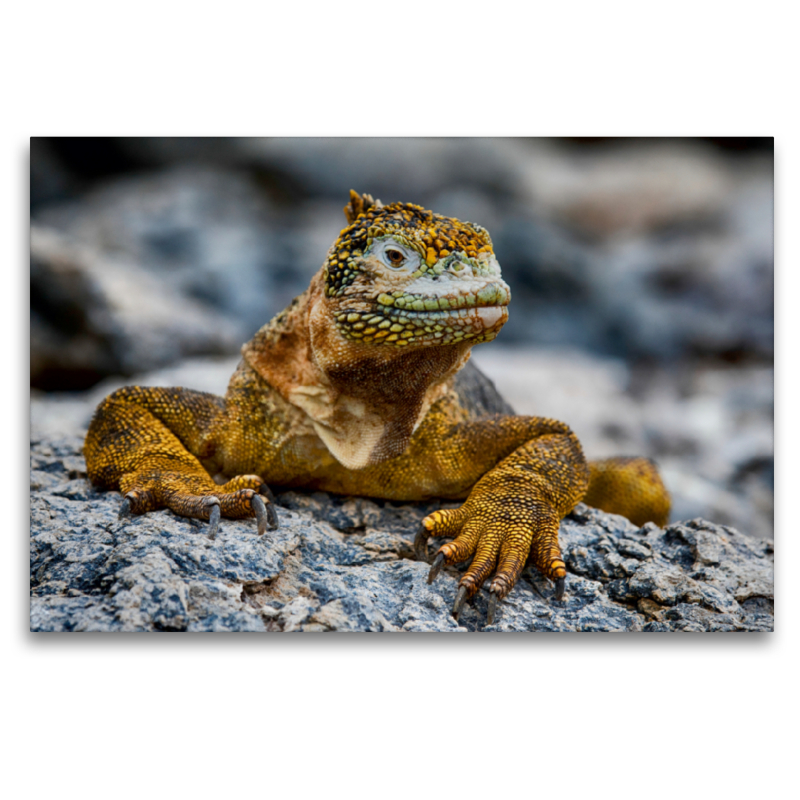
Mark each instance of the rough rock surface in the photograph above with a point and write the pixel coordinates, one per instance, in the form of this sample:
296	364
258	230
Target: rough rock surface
345	564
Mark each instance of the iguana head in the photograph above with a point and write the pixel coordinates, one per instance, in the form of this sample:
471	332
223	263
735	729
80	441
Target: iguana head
399	275
354	351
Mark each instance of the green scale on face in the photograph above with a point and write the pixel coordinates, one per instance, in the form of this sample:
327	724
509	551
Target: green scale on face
424	279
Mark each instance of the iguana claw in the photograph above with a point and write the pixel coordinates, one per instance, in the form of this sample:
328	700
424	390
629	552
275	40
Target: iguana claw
213	517
490	614
436	567
267	492
261	514
210	507
461	598
266	516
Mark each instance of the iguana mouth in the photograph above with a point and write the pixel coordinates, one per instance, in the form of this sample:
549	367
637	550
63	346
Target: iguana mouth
490	293
427	320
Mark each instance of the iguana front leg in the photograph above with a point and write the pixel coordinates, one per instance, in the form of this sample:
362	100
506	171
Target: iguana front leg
152	445
512	514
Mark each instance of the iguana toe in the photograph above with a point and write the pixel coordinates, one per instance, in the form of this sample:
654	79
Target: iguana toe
498	530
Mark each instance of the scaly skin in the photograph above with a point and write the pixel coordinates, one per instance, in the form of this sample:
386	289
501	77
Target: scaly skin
352	390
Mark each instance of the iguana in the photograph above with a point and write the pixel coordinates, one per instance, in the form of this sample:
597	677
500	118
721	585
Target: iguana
355	389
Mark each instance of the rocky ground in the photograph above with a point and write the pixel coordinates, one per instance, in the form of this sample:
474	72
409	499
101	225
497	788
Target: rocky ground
346	564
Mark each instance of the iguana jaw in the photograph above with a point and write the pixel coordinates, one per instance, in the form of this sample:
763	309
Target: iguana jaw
443	307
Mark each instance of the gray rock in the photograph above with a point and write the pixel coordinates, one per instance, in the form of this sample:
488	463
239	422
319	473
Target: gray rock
96	312
343	564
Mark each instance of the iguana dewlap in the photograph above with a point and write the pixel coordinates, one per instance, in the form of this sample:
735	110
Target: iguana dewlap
354	389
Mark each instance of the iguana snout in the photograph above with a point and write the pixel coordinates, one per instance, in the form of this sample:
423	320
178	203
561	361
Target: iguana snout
400	275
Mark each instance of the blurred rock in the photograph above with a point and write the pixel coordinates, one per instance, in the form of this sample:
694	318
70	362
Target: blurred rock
208	235
658	251
343	564
302	168
97	313
710	428
51	181
647	250
628	187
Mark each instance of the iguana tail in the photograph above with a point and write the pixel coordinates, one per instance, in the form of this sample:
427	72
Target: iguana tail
631	487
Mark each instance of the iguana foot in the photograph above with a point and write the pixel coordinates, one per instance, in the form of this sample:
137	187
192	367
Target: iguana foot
230	500
499	538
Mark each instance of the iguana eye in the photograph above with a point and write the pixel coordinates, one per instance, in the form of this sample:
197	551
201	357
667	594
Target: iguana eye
395	257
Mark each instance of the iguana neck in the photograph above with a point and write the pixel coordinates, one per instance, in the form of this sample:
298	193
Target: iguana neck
364	402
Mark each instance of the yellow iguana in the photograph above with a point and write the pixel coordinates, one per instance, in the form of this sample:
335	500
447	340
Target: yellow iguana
355	389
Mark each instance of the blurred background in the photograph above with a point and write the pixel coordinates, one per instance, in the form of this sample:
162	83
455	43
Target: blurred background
641	273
